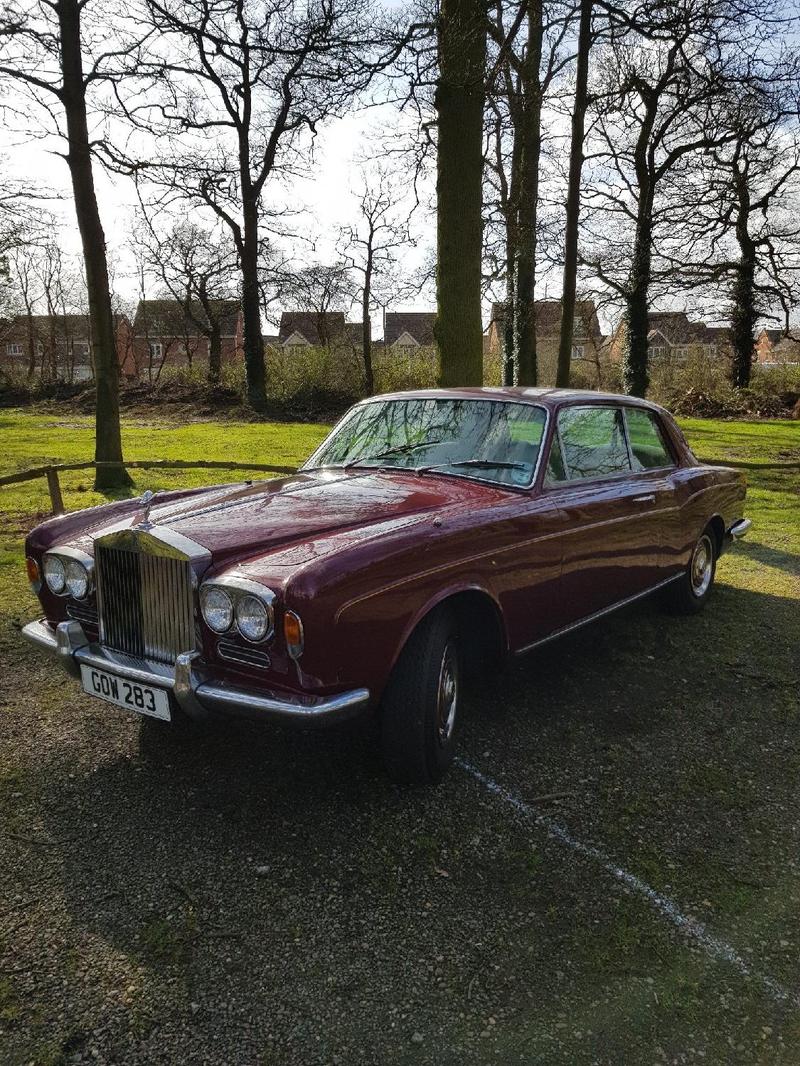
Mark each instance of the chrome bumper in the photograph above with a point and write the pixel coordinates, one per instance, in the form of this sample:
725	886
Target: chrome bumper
735	531
738	529
197	697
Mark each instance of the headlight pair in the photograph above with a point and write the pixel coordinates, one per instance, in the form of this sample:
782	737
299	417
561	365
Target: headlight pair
236	600
68	572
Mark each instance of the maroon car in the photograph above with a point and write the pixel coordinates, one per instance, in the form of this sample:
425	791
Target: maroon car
431	531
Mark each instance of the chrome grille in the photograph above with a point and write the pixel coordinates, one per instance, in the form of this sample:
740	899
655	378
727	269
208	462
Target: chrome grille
145	602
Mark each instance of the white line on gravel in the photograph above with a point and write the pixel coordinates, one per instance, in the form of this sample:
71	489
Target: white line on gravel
690	927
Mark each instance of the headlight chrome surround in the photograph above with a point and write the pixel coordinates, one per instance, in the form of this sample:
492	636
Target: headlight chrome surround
243	594
253	617
68	572
216	607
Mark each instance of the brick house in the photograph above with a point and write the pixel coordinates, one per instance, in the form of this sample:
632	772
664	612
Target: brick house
588	344
775	348
57	347
407	332
317	329
167	333
672	338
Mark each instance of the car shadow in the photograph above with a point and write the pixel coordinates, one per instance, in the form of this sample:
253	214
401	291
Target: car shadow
280	870
762	553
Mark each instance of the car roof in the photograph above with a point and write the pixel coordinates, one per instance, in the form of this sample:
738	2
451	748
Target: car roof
548	397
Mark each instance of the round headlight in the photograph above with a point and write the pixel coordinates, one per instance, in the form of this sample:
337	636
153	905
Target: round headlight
76	579
253	618
217	608
54	574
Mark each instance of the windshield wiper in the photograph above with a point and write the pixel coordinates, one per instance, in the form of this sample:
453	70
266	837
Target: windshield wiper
401	449
479	464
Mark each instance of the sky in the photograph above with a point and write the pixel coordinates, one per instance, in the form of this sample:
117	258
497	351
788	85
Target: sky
328	197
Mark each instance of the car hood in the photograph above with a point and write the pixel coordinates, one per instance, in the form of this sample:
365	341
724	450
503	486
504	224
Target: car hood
245	519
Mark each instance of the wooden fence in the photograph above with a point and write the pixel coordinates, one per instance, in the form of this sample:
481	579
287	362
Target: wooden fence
51	472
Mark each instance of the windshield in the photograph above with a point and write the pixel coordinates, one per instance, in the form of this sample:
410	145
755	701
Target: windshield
488	439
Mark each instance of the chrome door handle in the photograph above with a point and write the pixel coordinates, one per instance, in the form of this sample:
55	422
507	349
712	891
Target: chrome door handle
649	498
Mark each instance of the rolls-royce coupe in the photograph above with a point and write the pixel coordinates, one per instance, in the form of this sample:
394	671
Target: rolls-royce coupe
430	532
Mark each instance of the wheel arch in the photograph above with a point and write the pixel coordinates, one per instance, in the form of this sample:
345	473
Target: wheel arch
476	611
716	526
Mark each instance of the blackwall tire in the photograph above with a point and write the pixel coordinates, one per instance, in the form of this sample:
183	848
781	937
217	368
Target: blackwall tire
419	711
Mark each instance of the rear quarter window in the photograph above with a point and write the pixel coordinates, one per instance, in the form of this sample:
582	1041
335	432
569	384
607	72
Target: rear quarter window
649	447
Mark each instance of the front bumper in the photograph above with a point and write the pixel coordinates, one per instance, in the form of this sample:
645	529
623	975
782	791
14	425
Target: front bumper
197	696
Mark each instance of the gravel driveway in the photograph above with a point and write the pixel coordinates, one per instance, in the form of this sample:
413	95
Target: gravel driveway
255	896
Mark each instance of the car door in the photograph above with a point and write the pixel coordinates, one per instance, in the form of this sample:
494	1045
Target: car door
610	543
654	463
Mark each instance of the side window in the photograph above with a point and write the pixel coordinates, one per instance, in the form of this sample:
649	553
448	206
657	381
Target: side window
593	440
648	446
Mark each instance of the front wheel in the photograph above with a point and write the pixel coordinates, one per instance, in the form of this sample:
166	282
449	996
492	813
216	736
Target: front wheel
420	706
689	593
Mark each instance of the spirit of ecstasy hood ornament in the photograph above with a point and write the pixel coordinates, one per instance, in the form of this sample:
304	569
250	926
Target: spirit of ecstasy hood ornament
147	500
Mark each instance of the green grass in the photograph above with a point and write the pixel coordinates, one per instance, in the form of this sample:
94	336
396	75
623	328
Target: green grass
697	796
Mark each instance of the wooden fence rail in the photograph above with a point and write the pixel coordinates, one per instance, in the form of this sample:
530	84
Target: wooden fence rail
52	471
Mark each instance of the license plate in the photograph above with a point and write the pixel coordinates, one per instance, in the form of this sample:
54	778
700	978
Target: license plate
144	699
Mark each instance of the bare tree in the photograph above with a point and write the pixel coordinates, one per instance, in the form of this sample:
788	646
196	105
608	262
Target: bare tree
370	249
318	290
663	83
746	229
459	101
257	77
528	56
199	269
43	52
573	205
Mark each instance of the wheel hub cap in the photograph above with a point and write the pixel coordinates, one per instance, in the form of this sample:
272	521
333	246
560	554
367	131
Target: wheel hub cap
447	696
702	565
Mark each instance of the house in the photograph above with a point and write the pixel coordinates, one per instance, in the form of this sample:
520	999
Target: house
774	347
55	347
587	337
408	331
672	337
318	329
168	332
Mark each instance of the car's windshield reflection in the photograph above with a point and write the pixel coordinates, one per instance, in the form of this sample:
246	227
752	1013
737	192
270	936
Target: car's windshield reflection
486	439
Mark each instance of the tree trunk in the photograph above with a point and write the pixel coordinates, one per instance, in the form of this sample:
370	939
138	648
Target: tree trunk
525	252
366	329
214	353
634	359
459	179
251	302
31	342
743	314
569	285
510	367
108	439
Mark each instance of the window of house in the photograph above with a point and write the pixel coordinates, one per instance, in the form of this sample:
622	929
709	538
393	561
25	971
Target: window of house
658	351
578	351
156	349
593	442
14	349
649	448
682	352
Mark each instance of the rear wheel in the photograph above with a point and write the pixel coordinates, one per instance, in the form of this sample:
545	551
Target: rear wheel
689	593
420	706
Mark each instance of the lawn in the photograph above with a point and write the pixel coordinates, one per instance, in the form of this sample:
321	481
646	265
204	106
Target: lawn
265	897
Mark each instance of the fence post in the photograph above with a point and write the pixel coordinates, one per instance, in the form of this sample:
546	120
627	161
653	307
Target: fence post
56	500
